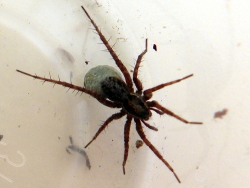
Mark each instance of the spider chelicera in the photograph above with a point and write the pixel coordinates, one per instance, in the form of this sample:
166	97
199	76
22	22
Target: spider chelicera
119	94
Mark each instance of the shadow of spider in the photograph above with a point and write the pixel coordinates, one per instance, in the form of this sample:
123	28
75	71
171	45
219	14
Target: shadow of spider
119	94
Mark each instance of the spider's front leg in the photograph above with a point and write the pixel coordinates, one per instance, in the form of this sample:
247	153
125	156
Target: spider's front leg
147	94
170	113
136	80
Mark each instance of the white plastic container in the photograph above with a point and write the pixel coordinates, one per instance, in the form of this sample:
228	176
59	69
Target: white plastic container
209	39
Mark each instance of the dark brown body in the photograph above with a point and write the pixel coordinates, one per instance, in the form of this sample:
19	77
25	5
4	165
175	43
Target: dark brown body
117	91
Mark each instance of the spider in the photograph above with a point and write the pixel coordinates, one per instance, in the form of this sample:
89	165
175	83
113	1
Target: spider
116	93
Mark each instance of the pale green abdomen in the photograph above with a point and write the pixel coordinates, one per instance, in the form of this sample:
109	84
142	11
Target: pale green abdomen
95	76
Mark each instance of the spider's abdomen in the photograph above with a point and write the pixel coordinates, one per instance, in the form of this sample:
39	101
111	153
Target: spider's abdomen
94	78
115	89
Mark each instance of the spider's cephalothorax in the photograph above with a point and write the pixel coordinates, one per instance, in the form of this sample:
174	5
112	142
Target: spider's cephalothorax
106	85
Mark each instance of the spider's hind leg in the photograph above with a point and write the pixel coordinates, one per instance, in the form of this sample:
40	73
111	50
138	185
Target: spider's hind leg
74	87
148	143
106	123
126	141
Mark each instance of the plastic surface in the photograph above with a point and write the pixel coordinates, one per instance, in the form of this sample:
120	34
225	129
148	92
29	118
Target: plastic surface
207	38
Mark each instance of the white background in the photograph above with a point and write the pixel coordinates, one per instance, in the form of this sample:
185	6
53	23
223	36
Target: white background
207	38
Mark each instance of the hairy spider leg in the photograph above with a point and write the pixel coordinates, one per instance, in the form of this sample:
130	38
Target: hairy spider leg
112	53
166	111
136	80
74	87
105	124
148	93
126	141
148	143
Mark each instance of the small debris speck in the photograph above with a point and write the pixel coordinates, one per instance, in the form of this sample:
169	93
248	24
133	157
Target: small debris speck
78	150
138	144
155	47
220	114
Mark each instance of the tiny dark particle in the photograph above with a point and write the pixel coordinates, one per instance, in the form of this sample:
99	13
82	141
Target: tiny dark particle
220	114
71	140
1	137
155	47
65	55
67	150
138	144
86	62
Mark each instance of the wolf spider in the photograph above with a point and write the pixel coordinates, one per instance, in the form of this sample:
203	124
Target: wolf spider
120	94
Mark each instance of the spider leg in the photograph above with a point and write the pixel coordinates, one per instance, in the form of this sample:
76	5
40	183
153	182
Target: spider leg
166	111
112	52
105	124
157	111
148	143
136	80
126	141
149	126
149	92
74	87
